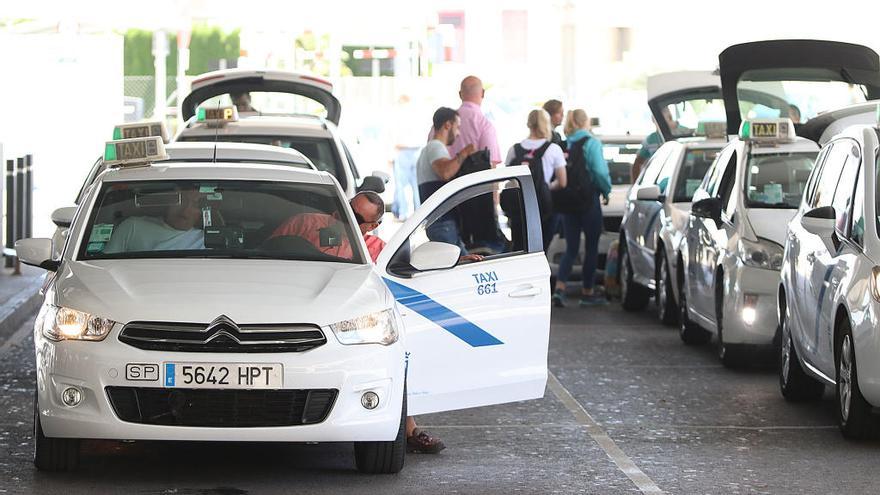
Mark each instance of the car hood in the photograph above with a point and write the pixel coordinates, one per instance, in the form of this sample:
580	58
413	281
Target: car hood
771	223
200	290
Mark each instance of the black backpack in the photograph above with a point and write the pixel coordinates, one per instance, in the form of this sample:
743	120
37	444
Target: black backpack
577	195
536	166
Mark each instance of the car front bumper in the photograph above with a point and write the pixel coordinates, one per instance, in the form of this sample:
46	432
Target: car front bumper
750	307
91	367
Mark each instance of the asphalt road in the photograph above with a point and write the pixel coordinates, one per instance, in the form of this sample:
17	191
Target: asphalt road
628	408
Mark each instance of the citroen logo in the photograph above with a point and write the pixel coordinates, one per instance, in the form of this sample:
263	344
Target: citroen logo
222	326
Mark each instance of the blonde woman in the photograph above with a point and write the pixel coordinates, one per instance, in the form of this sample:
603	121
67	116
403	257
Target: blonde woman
547	163
585	150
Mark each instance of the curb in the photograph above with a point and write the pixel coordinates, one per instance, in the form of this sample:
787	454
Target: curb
20	308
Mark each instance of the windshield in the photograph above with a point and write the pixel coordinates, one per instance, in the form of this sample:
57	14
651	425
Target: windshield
219	219
267	103
696	163
320	151
777	180
620	157
799	94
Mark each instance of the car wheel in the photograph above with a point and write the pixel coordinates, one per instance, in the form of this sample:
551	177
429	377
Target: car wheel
690	332
667	310
794	383
853	411
383	457
53	454
731	356
633	297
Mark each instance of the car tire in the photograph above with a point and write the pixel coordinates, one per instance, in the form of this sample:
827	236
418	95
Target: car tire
794	383
690	332
53	454
667	310
383	457
853	411
731	356
633	297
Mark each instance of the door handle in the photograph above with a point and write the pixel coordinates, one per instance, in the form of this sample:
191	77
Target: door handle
811	257
525	291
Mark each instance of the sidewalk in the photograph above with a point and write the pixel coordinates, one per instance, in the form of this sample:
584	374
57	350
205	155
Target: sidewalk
19	298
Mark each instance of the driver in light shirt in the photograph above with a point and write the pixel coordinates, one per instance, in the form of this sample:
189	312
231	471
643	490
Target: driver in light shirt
177	230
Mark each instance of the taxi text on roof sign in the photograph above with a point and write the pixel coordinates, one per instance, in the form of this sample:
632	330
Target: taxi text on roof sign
767	130
217	116
137	151
141	130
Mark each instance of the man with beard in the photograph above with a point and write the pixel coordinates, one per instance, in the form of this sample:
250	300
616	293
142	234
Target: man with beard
436	167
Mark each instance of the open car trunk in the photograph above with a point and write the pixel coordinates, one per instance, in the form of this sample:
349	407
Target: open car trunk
673	88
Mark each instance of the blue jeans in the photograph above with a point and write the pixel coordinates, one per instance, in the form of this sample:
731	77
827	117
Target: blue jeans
590	223
446	231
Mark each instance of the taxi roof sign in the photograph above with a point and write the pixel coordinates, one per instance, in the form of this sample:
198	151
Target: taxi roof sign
141	130
767	131
133	152
712	129
217	116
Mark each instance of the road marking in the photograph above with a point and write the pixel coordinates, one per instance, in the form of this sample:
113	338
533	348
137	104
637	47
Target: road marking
19	335
642	481
736	427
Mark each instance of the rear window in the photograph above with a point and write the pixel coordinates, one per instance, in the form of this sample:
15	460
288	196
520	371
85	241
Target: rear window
778	180
220	219
693	169
799	94
267	103
321	151
620	157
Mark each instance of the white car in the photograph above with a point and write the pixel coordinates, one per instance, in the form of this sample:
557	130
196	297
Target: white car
739	218
288	109
237	302
829	295
655	220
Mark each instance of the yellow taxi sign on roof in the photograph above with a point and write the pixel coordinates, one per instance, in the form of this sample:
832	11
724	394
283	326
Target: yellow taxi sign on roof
141	130
768	131
217	115
136	151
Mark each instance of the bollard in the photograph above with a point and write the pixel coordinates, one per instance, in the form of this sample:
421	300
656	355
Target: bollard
20	195
29	196
10	209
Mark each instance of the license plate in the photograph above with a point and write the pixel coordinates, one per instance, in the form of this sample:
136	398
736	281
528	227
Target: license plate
223	375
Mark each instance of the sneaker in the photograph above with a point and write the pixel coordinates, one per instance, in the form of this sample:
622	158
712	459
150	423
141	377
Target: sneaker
593	300
559	298
422	442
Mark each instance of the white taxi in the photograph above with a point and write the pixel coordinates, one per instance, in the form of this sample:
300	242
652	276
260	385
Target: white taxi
656	216
237	302
829	294
280	108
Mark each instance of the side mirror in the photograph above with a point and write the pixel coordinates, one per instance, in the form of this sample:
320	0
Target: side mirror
649	193
386	178
36	252
63	217
707	208
372	183
434	255
821	222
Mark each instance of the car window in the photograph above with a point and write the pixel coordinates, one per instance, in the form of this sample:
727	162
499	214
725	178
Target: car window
725	186
810	189
777	180
620	158
351	164
831	170
652	170
220	219
321	151
710	182
857	231
843	195
665	173
694	167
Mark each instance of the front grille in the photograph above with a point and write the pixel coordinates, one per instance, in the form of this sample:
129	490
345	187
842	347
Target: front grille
222	335
220	408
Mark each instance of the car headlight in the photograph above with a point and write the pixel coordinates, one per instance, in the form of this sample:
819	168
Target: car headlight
374	328
762	254
59	323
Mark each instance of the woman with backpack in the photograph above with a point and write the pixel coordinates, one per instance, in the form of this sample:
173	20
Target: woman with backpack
583	211
547	164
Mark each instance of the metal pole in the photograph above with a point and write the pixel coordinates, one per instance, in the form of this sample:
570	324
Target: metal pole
29	196
10	209
20	195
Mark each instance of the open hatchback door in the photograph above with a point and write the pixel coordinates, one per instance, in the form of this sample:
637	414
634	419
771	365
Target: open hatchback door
799	79
476	333
273	92
680	100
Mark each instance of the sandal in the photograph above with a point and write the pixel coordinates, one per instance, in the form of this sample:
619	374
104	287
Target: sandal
422	442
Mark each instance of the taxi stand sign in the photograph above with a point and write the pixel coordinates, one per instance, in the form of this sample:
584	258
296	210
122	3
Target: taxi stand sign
217	116
767	131
141	130
134	152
